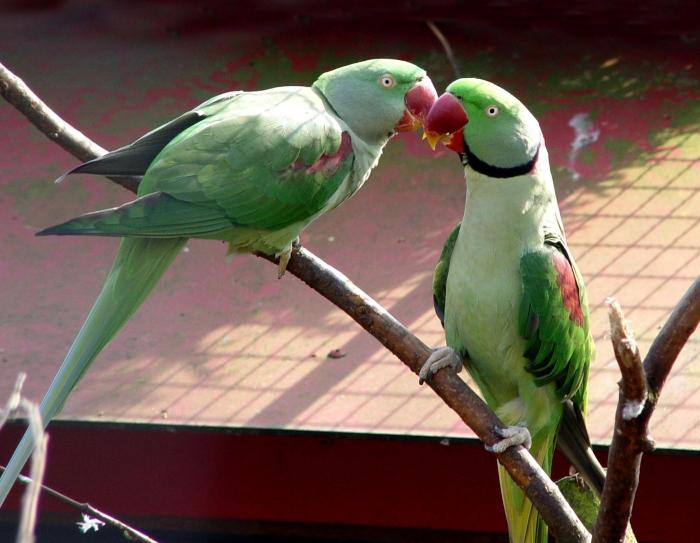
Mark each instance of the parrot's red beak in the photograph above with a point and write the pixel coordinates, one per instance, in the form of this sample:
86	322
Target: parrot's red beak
445	122
419	99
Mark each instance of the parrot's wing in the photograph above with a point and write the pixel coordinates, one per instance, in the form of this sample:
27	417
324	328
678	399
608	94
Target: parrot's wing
441	272
155	215
135	158
554	320
267	160
264	159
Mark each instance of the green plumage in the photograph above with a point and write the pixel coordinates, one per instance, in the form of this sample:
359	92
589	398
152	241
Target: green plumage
508	291
243	164
250	168
442	268
558	349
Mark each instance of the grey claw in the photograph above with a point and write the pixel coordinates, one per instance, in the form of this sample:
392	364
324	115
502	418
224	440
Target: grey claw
440	358
512	437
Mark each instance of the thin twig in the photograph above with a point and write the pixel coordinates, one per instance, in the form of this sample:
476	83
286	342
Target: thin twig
30	500
523	468
17	405
17	93
14	400
131	533
630	437
446	46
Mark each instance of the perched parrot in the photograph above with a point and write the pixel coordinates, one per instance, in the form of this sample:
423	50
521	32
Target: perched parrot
249	168
508	291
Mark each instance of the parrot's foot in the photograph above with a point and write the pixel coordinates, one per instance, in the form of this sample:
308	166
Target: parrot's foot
284	260
512	436
284	257
442	357
578	478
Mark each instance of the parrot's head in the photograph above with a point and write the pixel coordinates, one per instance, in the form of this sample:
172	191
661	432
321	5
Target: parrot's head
479	118
379	97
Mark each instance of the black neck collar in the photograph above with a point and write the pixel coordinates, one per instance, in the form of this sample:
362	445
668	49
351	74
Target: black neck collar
478	165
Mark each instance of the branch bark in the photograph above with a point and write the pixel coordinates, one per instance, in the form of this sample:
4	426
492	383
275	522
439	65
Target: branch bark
86	509
17	93
526	472
18	406
640	387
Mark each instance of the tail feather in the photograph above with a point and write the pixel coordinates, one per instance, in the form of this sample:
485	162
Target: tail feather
574	442
139	265
524	522
154	215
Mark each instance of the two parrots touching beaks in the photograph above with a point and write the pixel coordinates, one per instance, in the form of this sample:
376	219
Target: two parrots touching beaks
255	168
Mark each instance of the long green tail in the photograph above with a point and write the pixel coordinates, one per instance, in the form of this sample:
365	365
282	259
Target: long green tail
524	522
136	270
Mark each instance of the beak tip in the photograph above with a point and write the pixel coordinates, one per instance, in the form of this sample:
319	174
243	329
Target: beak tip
432	138
446	116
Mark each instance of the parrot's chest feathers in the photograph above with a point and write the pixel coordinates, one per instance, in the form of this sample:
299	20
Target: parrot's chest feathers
502	220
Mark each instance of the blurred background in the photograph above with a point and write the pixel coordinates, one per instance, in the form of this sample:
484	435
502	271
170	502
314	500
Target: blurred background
224	362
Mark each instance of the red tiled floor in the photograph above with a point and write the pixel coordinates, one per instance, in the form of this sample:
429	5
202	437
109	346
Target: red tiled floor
223	341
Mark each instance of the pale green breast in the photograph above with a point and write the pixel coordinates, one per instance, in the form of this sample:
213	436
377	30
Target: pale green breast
502	220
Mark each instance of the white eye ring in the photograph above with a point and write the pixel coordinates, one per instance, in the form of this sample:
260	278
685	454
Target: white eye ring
492	111
387	81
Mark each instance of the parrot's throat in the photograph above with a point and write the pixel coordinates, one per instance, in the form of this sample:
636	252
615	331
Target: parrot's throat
470	159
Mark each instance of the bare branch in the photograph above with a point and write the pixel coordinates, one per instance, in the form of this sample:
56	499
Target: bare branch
633	384
130	533
446	46
673	336
17	93
30	500
16	405
524	470
634	409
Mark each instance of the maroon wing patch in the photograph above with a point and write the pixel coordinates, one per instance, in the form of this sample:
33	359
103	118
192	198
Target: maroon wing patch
328	164
568	287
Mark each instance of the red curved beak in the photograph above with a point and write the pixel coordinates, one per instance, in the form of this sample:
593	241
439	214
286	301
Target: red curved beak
445	122
419	99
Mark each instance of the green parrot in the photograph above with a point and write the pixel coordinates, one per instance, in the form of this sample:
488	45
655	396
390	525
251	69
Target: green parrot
249	168
508	291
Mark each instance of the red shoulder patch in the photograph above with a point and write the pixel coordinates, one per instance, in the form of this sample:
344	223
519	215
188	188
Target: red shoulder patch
568	287
328	164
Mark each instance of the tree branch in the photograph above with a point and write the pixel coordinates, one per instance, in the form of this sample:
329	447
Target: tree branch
633	385
17	93
524	470
15	406
639	392
130	533
673	336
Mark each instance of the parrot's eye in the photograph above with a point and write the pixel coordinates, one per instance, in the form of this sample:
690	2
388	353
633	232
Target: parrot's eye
387	81
492	111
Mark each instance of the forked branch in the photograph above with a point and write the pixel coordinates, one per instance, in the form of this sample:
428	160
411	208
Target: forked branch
640	387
